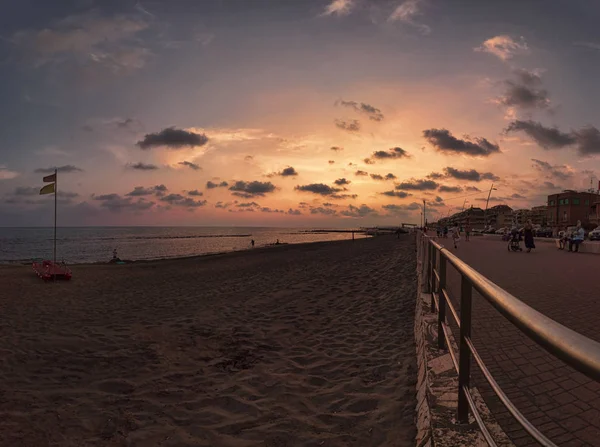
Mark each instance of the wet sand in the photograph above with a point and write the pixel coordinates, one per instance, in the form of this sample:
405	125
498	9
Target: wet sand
298	345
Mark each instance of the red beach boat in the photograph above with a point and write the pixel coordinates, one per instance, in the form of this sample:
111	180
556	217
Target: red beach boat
48	270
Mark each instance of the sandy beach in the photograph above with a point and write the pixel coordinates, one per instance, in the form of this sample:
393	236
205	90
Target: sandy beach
299	345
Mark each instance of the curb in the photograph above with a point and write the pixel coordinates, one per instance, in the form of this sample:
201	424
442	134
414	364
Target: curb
437	396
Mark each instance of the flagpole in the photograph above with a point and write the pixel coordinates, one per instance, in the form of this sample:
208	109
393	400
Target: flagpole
55	200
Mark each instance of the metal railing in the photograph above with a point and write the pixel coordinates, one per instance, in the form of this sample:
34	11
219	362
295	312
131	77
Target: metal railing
577	351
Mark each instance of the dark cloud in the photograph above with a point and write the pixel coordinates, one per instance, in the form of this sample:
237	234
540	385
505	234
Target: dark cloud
551	185
444	141
266	209
212	185
399	194
248	158
418	185
390	176
401	209
525	92
517	196
470	175
373	113
293	212
142	166
124	123
331	162
336	148
27	191
344	196
363	173
588	140
435	176
395	152
142	191
179	200
445	188
376	177
195	192
342	181
350	126
324	211
248	205
172	138
560	172
319	188
368	161
288	172
62	169
116	203
546	137
438	199
252	189
190	165
472	189
360	211
223	205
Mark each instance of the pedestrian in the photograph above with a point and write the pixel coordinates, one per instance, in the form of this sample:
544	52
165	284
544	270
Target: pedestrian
115	257
455	233
252	242
528	230
577	237
468	231
562	239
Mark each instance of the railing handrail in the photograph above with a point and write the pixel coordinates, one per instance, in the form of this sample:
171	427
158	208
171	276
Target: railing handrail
574	349
578	351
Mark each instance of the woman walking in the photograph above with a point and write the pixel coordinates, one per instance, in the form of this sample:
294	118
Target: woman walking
529	243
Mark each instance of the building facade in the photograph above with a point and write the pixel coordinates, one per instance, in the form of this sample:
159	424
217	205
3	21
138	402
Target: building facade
567	207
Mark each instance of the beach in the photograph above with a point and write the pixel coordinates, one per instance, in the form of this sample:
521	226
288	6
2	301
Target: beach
295	345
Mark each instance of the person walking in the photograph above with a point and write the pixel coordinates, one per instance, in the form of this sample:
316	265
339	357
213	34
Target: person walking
562	239
577	237
468	231
529	243
455	233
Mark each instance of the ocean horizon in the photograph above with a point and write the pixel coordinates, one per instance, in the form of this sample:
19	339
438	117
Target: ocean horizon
135	243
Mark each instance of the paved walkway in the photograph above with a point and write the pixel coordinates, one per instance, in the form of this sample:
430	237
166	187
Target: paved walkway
562	403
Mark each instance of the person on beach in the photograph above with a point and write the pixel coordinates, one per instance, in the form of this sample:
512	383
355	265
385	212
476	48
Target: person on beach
115	257
252	242
577	237
529	243
455	233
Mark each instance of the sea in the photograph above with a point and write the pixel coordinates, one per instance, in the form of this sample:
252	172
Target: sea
77	245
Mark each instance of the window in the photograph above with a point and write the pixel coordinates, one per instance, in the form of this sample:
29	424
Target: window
551	202
561	202
566	201
576	202
587	202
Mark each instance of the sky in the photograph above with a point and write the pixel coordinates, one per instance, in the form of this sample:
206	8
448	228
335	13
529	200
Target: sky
312	113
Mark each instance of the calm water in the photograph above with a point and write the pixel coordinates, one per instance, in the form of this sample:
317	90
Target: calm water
93	244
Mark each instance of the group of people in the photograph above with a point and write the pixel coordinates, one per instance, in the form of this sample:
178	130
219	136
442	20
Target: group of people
455	233
573	238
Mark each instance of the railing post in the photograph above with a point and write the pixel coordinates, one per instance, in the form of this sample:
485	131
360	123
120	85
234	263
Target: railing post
432	276
427	265
464	363
441	303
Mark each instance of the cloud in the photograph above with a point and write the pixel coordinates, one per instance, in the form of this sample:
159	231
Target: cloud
350	126
324	211
406	13
247	205
288	172
517	196
546	137
293	212
173	138
342	181
393	153
318	188
331	162
336	148
62	169
472	189
212	185
27	191
470	175
87	40
373	113
418	185
401	209
589	45
116	203
561	172
361	173
142	166
504	47
444	141
525	93
390	176
195	192
376	177
361	211
252	189
435	176
223	205
179	200
338	7
445	188
152	190
190	165
399	194
588	140
7	174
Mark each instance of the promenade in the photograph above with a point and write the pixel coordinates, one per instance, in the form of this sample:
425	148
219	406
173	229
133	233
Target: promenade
562	403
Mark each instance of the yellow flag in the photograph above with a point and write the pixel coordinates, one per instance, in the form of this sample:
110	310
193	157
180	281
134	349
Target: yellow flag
48	189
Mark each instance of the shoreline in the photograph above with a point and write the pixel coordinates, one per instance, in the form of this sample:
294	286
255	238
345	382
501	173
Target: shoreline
261	249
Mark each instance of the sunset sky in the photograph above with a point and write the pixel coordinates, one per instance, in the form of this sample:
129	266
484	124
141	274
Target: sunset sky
293	112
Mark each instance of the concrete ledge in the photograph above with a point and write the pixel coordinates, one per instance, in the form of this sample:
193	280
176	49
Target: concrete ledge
584	247
437	391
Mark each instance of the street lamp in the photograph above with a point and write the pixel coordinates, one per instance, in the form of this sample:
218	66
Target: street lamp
486	204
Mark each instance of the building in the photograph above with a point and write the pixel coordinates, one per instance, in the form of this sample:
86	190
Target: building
567	207
537	214
474	216
499	216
